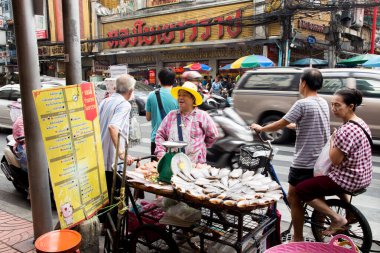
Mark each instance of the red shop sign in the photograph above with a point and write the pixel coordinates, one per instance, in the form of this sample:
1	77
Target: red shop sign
152	76
89	101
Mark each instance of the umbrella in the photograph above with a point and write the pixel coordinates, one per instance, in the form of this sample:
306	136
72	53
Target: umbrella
359	59
374	62
197	67
226	67
252	61
309	61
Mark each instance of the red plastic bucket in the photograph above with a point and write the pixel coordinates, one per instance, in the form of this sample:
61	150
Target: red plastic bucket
59	241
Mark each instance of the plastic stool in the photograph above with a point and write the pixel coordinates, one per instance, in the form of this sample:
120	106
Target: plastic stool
59	241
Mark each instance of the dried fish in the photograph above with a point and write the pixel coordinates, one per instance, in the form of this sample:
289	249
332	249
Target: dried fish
229	202
224	181
236	173
216	201
258	176
232	182
273	186
228	187
248	173
214	172
224	173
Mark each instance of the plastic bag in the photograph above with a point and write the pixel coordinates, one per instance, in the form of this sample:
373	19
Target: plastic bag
134	132
323	163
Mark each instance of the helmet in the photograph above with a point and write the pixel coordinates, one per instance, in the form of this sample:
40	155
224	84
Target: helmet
191	75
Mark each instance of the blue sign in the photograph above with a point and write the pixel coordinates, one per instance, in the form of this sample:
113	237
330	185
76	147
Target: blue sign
311	39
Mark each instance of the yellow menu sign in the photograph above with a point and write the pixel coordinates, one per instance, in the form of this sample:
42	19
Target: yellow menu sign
70	129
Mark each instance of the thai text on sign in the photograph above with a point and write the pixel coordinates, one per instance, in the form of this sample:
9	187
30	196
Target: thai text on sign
164	33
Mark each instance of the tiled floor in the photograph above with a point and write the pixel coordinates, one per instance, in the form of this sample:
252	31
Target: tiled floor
16	234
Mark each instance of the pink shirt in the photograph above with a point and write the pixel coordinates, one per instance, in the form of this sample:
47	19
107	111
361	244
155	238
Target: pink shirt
198	129
355	172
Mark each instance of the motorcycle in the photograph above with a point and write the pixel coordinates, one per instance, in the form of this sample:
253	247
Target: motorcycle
212	101
10	165
225	152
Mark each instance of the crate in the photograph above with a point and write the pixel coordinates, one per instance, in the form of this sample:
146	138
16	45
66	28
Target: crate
254	156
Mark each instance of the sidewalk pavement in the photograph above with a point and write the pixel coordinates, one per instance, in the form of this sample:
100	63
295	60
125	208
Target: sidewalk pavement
16	234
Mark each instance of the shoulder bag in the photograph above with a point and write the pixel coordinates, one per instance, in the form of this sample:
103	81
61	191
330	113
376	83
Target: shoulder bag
159	102
365	132
323	163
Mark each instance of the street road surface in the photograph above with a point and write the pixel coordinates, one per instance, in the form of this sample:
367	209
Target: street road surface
368	203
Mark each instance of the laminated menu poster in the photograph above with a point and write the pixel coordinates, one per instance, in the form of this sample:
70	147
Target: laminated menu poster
69	122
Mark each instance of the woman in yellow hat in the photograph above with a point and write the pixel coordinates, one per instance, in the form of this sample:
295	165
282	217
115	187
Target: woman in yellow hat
188	124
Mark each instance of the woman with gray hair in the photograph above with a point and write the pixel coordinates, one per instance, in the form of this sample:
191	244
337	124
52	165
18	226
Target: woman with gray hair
114	118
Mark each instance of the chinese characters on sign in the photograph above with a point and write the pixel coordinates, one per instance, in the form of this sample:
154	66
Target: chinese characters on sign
71	133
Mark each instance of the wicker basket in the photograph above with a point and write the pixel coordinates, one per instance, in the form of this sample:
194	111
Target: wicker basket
254	156
315	247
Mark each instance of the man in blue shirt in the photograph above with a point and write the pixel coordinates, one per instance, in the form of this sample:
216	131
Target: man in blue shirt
153	112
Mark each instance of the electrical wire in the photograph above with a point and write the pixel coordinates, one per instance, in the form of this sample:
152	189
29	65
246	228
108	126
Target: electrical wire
292	7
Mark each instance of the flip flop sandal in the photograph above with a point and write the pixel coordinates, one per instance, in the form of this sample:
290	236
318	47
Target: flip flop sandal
331	231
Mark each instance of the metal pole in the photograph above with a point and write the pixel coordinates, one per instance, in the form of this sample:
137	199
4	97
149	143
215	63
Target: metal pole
71	31
374	23
27	57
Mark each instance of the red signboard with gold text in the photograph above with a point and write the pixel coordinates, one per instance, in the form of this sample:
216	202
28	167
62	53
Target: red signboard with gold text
181	27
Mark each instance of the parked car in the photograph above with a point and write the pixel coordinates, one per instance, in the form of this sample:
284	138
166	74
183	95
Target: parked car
265	95
140	94
10	93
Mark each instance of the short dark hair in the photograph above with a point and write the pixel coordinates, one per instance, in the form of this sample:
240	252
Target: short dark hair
350	96
166	76
313	78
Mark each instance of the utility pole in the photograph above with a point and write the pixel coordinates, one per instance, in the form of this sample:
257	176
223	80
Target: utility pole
71	31
27	58
333	37
287	34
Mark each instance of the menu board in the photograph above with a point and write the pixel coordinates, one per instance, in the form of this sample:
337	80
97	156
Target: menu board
70	130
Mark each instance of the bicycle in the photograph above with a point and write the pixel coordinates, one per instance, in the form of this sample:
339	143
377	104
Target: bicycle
358	228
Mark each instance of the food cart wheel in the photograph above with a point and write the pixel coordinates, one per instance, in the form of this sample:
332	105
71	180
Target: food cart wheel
151	238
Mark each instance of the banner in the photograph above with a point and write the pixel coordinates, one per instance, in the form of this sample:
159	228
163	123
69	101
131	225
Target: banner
69	122
155	3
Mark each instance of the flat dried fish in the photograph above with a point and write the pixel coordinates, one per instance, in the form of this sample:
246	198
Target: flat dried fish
224	173
229	202
236	173
214	172
216	201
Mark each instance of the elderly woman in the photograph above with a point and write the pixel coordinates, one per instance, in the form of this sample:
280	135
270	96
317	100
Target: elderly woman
197	127
350	154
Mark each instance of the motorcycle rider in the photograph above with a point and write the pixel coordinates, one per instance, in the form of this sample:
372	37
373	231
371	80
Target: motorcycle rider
19	147
194	77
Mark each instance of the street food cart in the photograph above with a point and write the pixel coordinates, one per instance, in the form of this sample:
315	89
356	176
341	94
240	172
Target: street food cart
227	222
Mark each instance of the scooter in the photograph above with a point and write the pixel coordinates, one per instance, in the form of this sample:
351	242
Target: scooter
11	168
212	101
225	152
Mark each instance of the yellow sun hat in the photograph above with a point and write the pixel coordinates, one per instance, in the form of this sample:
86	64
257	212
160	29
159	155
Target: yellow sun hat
191	88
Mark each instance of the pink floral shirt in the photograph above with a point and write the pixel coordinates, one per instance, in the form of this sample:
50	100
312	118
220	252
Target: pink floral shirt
198	130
